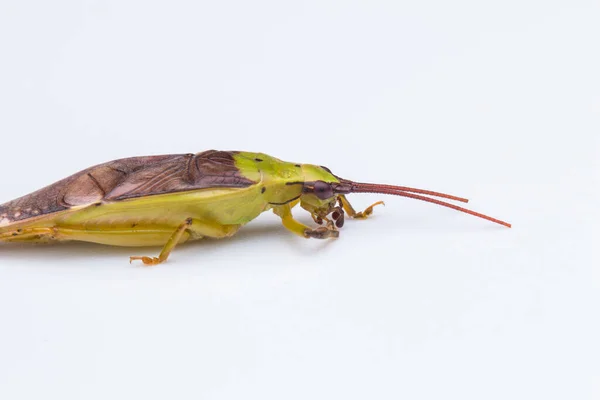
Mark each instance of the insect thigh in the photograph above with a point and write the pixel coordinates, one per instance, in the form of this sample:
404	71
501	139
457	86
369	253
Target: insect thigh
130	236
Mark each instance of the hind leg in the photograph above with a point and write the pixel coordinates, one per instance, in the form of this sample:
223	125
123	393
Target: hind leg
120	236
31	235
126	235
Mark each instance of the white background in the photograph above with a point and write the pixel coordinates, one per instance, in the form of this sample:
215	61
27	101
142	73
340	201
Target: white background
496	101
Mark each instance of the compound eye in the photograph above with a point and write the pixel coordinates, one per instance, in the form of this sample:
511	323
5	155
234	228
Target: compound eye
323	190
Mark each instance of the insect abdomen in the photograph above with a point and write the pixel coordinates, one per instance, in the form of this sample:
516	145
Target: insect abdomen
129	178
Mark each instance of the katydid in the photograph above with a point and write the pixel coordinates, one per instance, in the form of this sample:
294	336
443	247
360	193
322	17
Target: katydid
169	199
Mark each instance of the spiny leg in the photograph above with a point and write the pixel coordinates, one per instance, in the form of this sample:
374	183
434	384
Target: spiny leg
30	235
287	219
357	215
171	243
142	234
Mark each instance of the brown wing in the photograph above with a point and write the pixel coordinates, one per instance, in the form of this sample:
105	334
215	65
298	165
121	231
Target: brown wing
129	178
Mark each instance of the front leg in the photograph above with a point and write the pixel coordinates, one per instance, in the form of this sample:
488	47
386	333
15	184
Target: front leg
287	219
352	213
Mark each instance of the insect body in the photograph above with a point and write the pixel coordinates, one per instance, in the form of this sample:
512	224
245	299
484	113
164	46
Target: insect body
169	199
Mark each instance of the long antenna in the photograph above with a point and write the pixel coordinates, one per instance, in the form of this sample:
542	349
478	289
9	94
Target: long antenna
357	187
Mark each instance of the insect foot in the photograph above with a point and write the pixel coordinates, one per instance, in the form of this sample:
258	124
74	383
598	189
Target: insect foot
321	233
146	260
368	211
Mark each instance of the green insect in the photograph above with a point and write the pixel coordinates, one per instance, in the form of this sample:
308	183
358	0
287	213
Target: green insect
169	199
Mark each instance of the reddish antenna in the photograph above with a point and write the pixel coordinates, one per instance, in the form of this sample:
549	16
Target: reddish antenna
414	193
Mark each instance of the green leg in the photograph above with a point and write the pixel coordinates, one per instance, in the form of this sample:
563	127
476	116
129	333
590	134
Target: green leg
141	234
193	228
285	213
171	243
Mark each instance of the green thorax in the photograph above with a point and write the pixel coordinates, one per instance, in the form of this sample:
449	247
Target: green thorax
280	181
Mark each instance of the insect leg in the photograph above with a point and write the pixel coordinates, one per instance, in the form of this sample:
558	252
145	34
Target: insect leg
30	235
190	229
285	213
171	243
352	213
